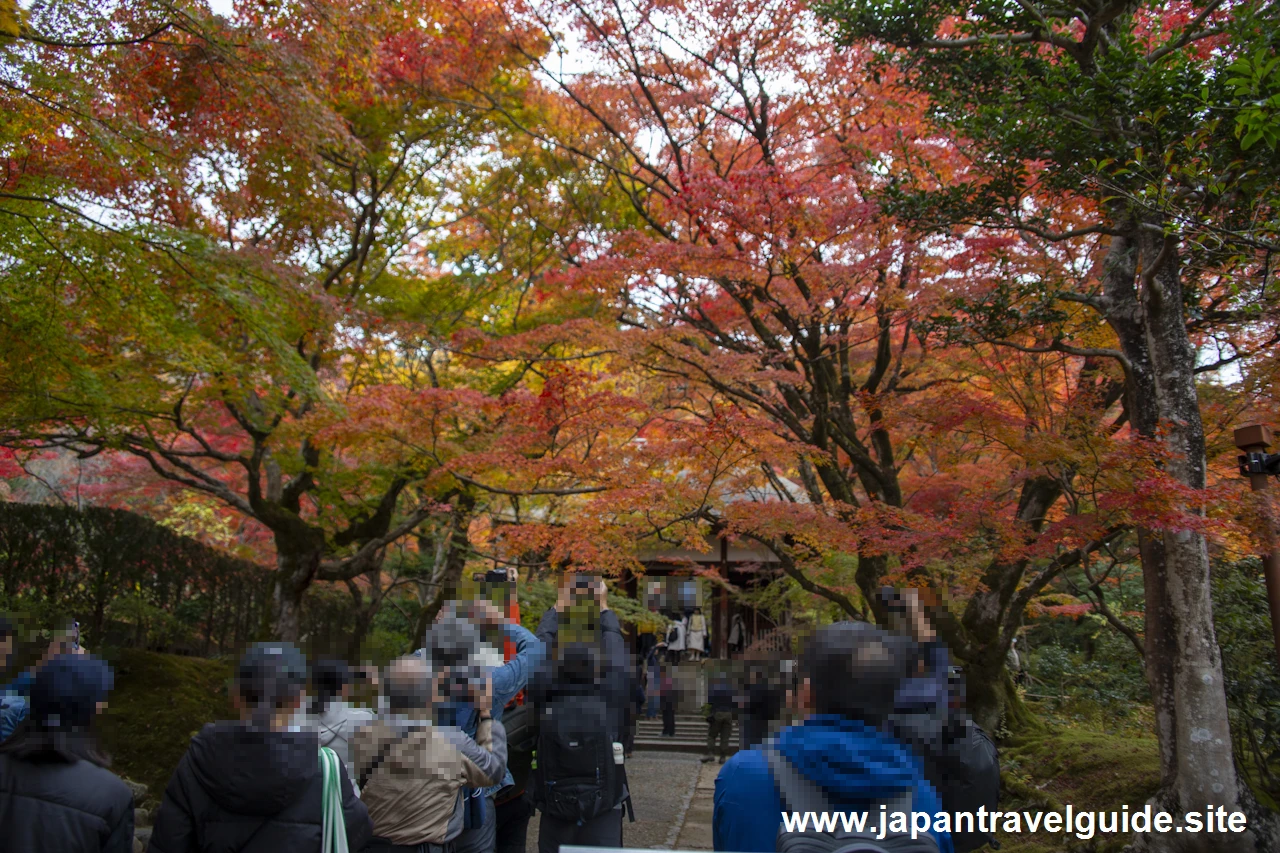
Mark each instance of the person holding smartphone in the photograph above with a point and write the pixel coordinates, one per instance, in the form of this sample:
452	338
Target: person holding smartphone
15	696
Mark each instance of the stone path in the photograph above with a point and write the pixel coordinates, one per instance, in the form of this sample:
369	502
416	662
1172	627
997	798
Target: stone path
695	830
665	788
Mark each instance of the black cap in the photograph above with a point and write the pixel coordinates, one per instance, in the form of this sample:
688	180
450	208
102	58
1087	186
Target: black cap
281	659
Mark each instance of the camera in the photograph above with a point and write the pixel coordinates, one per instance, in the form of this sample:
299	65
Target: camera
462	681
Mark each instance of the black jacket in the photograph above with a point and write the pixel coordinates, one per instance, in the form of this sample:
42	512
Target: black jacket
615	664
55	807
244	790
720	697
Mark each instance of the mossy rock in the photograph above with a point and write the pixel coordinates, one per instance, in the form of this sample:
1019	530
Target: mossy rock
1087	769
159	702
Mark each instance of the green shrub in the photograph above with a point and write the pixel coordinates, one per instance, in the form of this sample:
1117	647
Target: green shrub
159	702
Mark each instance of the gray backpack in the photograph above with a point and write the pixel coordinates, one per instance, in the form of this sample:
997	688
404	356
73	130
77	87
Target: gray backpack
801	795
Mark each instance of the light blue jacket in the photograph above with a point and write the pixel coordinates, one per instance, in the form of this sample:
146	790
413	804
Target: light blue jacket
508	680
13	703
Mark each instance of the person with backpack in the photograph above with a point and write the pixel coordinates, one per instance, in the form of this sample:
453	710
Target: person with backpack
259	784
841	758
580	783
959	759
580	704
412	773
582	615
56	793
453	641
676	640
330	713
761	706
722	706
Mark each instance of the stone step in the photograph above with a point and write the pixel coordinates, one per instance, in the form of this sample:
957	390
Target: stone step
681	718
681	725
679	744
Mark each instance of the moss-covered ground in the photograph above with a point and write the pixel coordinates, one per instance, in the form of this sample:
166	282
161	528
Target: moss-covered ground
159	702
1054	767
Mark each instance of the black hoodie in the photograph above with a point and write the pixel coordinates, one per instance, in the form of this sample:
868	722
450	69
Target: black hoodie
243	790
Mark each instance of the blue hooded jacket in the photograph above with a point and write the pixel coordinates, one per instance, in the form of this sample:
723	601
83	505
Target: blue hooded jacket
854	764
13	703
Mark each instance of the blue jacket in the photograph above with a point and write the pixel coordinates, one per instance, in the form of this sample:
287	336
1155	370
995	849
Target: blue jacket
508	680
13	703
852	763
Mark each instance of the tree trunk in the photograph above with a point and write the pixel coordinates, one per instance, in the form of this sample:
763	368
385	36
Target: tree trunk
988	627
364	611
449	559
1183	663
296	566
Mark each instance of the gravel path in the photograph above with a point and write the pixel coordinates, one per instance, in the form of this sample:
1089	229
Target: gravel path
662	786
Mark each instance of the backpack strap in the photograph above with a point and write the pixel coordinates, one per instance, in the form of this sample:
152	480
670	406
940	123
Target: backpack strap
800	794
383	753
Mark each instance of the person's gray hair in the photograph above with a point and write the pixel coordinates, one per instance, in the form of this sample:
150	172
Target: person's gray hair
408	685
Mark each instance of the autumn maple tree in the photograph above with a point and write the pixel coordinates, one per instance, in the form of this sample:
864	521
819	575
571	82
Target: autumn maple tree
222	261
783	327
1116	124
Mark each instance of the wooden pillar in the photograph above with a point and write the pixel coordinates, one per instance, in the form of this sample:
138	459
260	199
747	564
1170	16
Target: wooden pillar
720	646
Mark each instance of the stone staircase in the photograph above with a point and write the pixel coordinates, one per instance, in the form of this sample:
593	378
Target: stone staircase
691	735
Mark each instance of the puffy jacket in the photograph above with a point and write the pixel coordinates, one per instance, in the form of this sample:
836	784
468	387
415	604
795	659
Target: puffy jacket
55	807
243	789
413	792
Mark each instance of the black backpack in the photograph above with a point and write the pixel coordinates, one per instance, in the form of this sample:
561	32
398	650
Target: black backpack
576	779
522	740
961	763
801	795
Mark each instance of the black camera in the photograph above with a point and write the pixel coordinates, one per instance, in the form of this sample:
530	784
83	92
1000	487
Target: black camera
462	681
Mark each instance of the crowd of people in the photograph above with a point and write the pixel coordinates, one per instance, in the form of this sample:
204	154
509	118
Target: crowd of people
466	743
